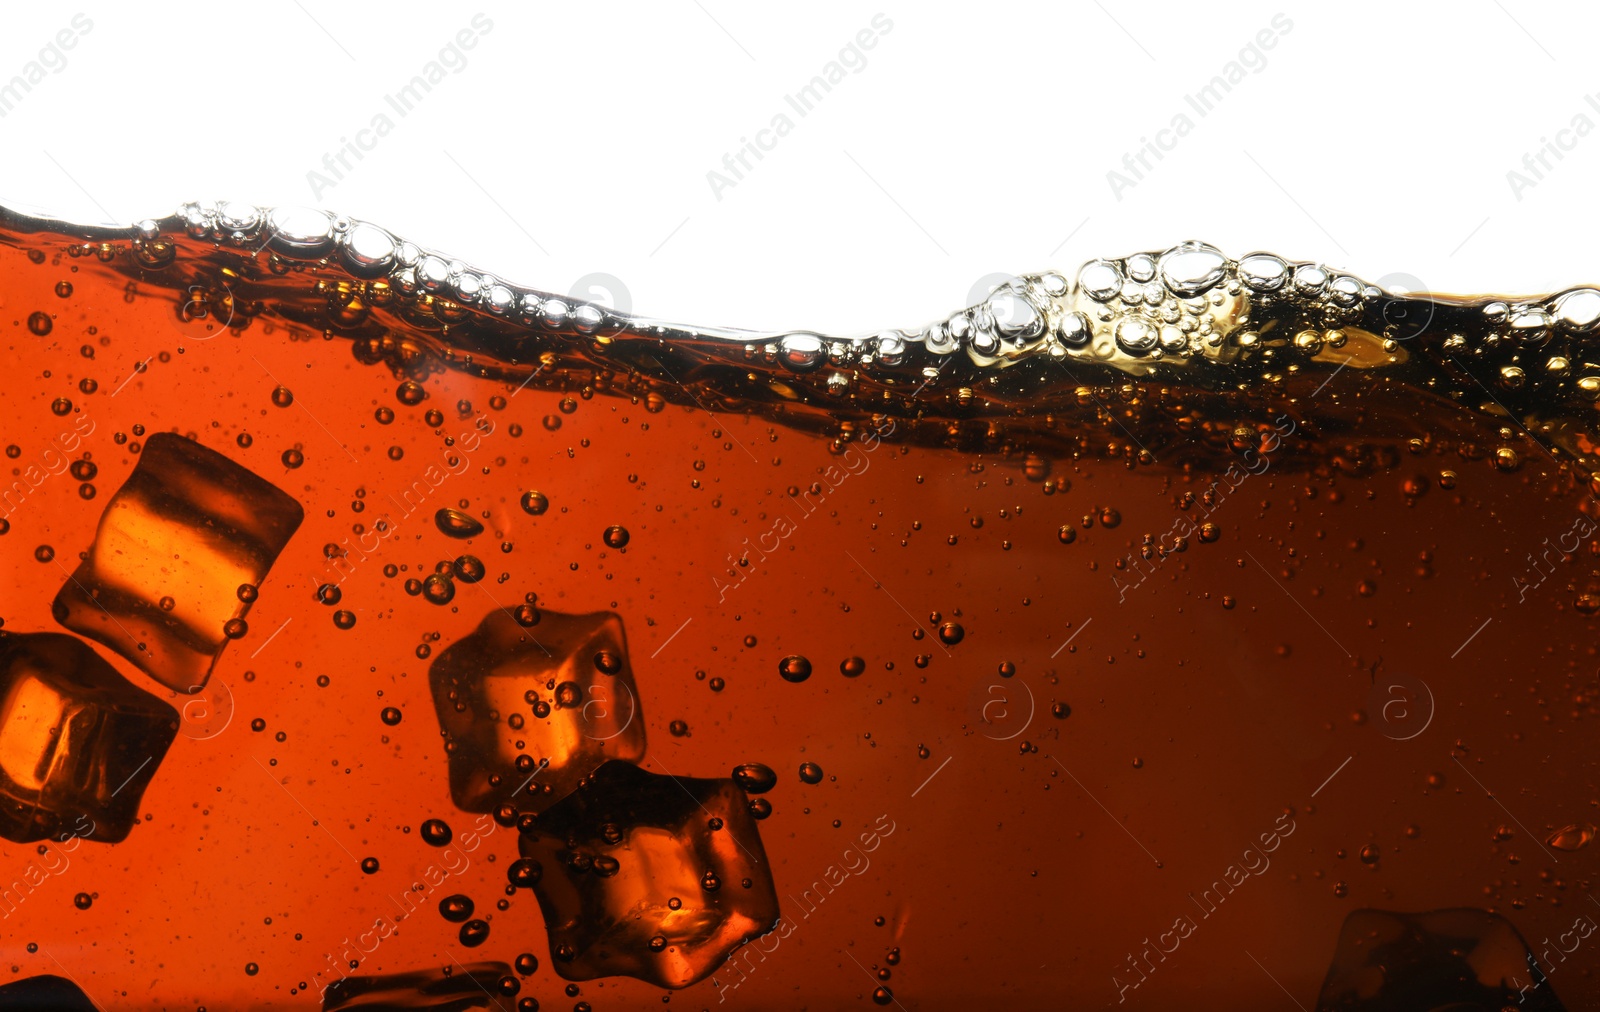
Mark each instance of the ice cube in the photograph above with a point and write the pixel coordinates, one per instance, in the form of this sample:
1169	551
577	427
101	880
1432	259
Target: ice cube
528	712
1447	959
176	543
78	742
649	876
44	992
476	985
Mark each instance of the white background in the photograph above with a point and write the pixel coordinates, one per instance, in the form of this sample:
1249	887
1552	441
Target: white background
976	139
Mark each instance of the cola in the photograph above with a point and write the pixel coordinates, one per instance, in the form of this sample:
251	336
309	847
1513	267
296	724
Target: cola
1192	629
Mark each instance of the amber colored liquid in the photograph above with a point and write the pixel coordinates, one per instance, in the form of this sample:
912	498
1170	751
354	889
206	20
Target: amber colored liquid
1006	821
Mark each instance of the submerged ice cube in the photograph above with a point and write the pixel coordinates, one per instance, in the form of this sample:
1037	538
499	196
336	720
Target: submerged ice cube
176	543
44	992
1459	959
529	712
474	986
648	876
78	742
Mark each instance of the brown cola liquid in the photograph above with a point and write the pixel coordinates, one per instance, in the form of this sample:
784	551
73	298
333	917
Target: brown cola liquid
378	634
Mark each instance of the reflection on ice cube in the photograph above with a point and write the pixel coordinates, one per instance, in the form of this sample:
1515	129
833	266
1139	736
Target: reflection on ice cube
649	876
1444	960
529	712
77	741
177	542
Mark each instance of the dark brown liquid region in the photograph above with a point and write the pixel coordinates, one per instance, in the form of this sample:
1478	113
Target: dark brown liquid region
1477	372
1090	730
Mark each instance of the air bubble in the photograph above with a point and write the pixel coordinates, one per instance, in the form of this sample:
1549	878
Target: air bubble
1263	272
1191	269
436	832
1100	280
456	524
1578	309
755	778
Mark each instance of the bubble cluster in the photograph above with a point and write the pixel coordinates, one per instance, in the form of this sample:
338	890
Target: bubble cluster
1189	320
